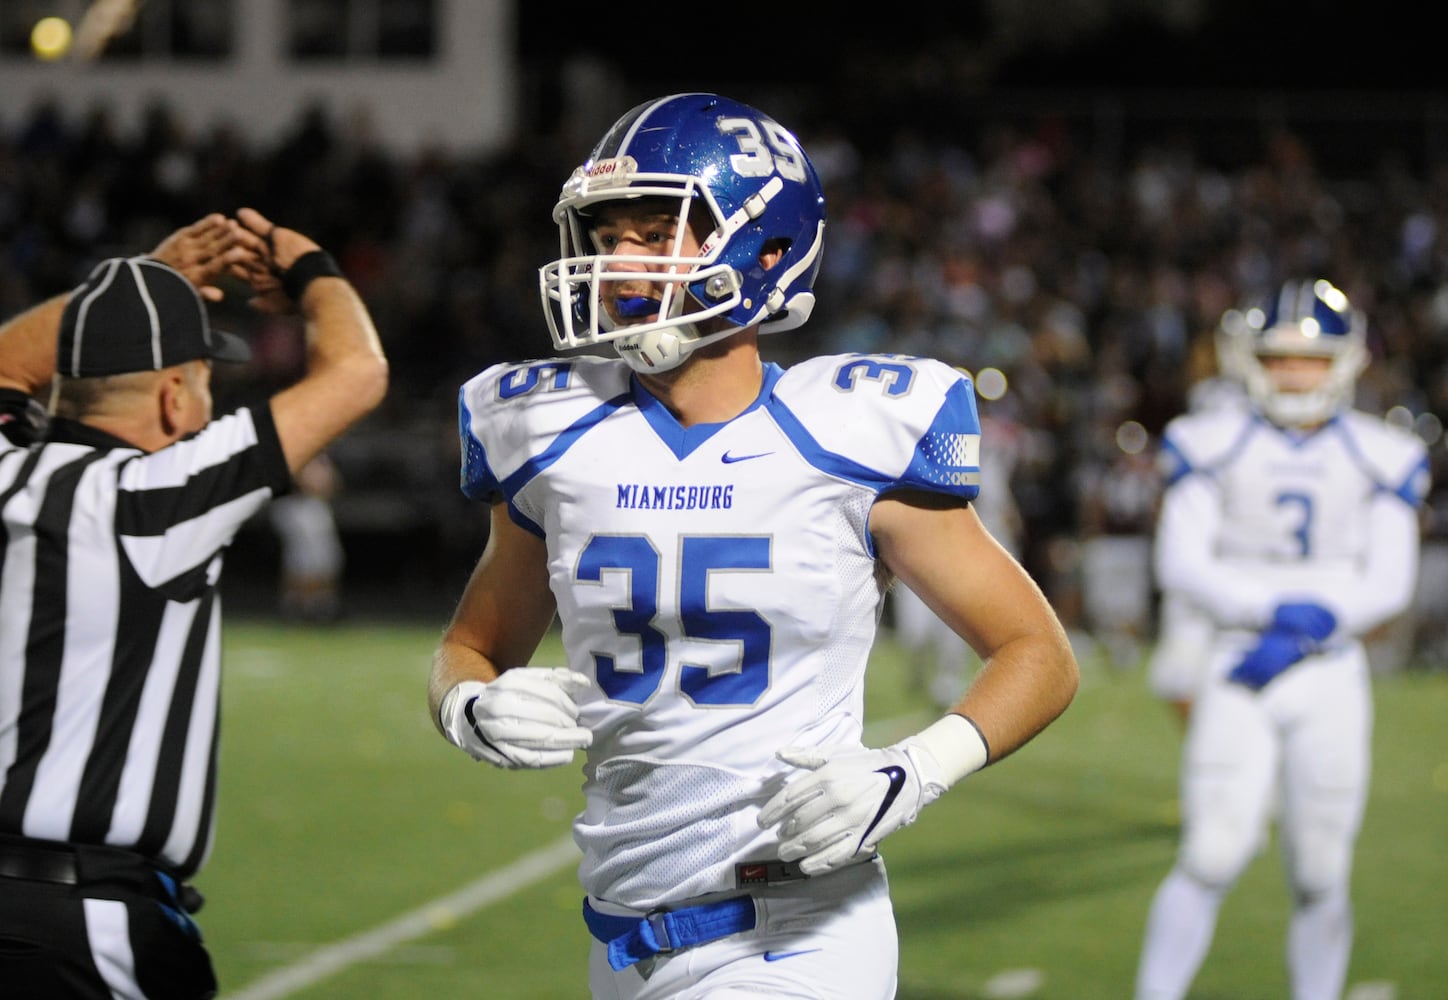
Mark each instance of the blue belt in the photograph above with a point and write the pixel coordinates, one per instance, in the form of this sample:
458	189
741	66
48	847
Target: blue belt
631	939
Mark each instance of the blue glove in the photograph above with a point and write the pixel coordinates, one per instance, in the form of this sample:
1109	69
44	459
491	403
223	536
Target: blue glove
1297	629
1304	619
1277	650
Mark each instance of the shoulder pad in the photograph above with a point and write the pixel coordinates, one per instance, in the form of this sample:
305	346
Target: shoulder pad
1397	459
511	413
1199	442
888	420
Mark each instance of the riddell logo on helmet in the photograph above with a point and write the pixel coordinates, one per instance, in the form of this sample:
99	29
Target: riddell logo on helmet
613	168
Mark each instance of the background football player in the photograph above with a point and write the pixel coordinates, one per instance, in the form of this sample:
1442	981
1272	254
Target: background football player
1293	524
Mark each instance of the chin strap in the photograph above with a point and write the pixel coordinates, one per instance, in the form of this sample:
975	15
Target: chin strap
662	350
654	351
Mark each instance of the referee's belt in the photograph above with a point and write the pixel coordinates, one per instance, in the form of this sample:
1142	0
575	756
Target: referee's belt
60	863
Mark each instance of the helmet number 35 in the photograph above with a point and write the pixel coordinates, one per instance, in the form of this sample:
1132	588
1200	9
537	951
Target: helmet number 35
764	148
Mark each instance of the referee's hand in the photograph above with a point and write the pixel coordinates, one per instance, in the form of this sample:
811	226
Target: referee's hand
527	718
271	250
203	252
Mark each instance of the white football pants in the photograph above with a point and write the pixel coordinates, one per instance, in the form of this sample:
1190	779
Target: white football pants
827	938
1306	739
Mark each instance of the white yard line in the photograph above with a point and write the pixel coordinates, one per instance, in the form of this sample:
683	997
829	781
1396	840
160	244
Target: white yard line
426	919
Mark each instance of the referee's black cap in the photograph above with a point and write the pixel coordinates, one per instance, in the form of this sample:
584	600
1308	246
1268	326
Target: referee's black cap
137	314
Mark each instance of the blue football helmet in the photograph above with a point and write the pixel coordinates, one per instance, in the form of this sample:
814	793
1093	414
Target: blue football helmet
707	153
1304	318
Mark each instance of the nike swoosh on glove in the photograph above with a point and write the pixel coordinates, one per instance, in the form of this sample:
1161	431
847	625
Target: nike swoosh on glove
850	800
527	718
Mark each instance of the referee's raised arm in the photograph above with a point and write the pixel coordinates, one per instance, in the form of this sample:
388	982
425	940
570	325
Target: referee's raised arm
347	373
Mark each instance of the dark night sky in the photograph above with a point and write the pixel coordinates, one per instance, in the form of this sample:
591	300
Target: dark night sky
1246	44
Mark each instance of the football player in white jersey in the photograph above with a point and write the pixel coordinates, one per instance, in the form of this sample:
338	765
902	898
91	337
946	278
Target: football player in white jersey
715	535
1294	525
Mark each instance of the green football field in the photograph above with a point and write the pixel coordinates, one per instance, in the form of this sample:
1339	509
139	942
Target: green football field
359	856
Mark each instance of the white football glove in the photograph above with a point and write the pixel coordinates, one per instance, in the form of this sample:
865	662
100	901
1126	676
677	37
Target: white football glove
525	718
851	799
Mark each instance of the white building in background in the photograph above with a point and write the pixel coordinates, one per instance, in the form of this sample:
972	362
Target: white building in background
436	73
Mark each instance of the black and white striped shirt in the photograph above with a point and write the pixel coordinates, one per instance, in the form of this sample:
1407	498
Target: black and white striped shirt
110	645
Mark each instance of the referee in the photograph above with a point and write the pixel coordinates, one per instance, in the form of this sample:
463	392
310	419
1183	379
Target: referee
113	524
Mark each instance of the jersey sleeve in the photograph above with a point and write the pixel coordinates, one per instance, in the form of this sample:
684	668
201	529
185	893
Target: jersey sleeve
1396	459
514	418
890	422
1199	442
1383	587
1186	563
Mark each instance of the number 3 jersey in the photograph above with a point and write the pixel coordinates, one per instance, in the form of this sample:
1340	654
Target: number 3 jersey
1255	514
717	582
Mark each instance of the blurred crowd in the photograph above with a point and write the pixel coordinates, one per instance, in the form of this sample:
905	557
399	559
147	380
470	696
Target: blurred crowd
1084	290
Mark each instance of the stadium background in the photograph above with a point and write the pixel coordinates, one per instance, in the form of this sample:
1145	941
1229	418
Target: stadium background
1069	192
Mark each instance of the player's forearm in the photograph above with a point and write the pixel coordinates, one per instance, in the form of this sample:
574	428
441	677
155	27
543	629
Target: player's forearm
453	663
1021	689
27	346
1385	587
1228	597
836	809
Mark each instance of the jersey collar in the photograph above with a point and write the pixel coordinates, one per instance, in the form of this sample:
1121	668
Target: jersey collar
681	440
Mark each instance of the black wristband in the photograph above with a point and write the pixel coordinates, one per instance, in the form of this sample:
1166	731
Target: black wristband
305	269
22	419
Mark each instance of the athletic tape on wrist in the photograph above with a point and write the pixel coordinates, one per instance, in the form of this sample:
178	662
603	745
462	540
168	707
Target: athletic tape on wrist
956	744
307	268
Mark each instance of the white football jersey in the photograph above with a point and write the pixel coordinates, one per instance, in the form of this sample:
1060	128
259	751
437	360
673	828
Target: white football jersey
717	582
1255	514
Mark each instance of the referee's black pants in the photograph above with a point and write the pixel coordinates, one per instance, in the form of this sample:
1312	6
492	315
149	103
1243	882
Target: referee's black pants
87	923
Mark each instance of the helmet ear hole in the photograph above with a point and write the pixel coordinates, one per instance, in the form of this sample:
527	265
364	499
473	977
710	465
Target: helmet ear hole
773	251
